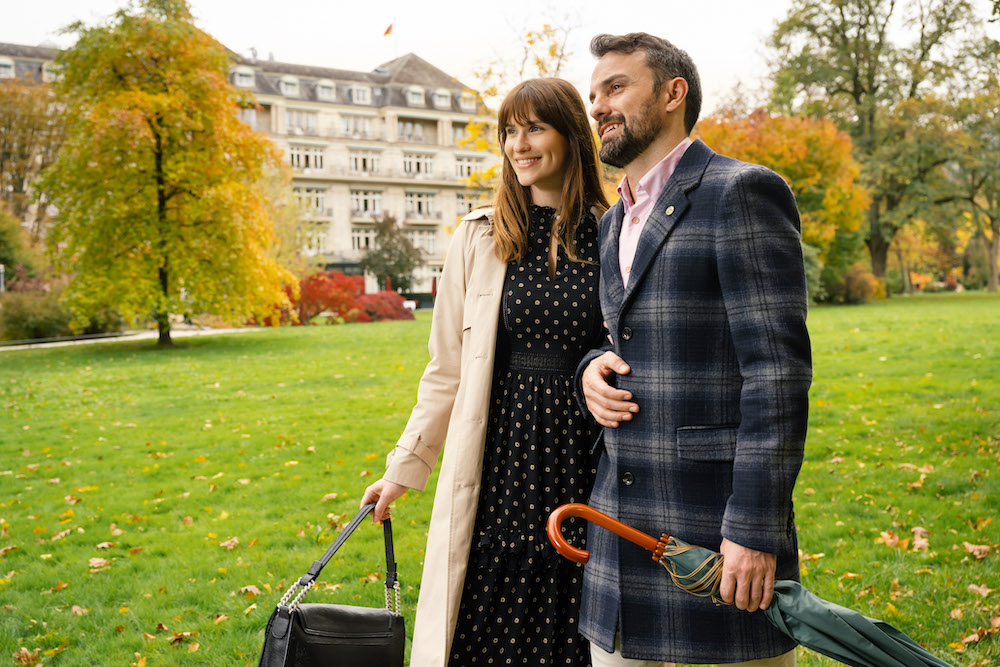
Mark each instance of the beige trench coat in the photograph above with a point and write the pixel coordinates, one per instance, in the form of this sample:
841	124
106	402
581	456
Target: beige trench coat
452	405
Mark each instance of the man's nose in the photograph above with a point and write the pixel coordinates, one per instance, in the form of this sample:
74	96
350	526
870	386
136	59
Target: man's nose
598	108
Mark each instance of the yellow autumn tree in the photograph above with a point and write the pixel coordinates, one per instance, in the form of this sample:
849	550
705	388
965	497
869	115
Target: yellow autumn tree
157	183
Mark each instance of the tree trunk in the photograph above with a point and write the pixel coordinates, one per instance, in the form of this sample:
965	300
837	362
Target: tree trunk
163	313
906	287
994	254
163	326
878	246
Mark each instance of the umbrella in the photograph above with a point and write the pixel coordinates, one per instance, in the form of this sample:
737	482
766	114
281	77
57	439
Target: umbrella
838	632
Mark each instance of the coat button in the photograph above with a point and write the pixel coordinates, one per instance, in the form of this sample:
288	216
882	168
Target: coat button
627	478
627	333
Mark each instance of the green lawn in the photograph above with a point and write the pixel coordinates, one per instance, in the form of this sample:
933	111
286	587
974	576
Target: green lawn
152	460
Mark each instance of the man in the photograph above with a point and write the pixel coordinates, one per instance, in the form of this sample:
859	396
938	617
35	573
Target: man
703	387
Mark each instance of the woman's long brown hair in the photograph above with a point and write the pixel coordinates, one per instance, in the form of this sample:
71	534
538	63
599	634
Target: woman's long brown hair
556	102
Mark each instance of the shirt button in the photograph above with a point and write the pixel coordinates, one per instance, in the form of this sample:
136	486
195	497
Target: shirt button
635	221
628	269
627	333
628	478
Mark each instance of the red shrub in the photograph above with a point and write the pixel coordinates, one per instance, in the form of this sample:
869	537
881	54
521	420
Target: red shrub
384	305
331	291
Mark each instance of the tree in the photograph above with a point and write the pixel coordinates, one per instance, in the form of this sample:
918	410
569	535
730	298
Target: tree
393	258
31	131
157	183
837	57
979	158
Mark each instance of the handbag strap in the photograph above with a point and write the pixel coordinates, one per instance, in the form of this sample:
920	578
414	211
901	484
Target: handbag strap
391	577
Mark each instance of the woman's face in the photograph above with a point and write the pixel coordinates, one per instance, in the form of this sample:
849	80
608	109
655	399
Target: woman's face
537	154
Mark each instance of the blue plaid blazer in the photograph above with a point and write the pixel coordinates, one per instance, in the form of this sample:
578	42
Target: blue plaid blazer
713	325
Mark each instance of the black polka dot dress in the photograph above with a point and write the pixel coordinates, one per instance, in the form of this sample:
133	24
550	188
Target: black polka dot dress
521	599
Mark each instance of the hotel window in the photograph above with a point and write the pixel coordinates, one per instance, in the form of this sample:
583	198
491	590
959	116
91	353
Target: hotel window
301	122
421	204
248	115
366	202
465	166
6	68
362	238
305	157
468	102
459	134
50	72
410	131
358	127
312	200
418	165
415	96
361	95
363	162
325	90
464	203
423	239
289	86
442	99
243	77
312	237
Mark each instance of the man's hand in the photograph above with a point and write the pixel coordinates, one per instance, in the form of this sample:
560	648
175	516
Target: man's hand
747	576
609	406
382	493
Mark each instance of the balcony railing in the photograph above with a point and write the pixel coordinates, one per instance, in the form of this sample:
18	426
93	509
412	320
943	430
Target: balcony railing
427	216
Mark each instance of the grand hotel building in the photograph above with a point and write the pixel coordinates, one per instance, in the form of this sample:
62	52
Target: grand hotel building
361	144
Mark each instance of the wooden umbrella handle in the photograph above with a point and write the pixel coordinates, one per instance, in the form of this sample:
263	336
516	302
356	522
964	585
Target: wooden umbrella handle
554	525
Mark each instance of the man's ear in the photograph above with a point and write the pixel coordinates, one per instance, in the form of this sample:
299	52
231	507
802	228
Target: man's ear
674	93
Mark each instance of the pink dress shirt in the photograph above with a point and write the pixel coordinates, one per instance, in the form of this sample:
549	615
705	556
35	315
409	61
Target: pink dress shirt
636	212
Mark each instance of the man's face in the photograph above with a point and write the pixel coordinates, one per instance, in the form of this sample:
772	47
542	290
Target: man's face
627	111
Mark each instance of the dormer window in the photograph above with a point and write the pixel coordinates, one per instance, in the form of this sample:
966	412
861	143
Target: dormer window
6	68
415	96
50	72
442	99
243	77
468	102
289	86
361	95
325	90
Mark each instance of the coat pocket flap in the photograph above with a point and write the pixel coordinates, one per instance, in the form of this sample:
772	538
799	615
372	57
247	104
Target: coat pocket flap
707	443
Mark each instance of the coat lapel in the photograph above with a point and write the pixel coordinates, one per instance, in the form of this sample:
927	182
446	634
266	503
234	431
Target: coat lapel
612	290
669	209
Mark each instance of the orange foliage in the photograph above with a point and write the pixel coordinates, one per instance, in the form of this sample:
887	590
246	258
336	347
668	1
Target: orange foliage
811	154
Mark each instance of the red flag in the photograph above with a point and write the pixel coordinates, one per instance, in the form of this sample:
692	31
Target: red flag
388	31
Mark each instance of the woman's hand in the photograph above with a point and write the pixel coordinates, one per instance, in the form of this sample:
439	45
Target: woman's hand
382	493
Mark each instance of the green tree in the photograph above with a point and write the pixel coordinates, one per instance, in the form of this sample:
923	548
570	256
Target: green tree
393	257
13	250
157	183
31	131
838	58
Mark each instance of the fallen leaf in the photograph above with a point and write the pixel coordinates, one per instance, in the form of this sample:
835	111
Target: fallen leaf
140	660
98	563
980	551
249	609
7	550
106	545
192	647
180	637
61	534
365	473
956	613
329	496
77	610
58	587
221	618
250	591
981	589
230	543
24	657
148	636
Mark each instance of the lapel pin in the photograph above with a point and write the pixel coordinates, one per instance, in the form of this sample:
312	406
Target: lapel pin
670	210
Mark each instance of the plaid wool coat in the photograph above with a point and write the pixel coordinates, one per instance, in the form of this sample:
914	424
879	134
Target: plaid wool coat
713	326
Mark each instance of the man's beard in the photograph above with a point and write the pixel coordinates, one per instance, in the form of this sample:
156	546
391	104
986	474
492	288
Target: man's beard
632	140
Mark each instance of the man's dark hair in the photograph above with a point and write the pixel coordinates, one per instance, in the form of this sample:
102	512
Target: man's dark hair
666	61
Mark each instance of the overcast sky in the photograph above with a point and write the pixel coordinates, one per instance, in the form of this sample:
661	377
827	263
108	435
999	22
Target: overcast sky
726	38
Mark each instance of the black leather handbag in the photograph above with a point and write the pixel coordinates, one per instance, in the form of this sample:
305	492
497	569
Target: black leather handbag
324	635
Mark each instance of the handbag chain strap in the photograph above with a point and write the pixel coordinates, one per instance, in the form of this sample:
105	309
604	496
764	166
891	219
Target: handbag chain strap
297	591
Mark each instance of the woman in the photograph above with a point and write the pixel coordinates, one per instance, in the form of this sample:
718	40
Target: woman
516	310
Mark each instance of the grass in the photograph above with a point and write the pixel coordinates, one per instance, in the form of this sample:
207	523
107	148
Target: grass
161	456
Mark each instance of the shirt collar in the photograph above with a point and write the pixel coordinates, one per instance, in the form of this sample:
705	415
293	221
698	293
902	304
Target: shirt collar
653	181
